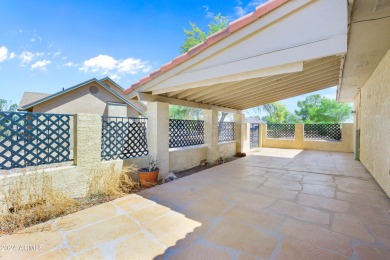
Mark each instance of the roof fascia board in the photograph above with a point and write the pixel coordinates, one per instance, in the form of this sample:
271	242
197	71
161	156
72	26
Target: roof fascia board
113	82
59	93
78	86
279	70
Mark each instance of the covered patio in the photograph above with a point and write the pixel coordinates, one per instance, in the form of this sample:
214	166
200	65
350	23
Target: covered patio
274	204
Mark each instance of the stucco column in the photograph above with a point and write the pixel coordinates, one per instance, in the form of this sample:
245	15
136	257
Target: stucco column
88	140
263	133
246	129
211	134
347	135
239	121
158	135
299	136
260	136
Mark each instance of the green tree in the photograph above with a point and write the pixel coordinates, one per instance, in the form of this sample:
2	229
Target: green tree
196	35
292	118
187	113
317	109
268	108
277	115
7	106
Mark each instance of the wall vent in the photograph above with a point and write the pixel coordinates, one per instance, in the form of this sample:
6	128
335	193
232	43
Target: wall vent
93	89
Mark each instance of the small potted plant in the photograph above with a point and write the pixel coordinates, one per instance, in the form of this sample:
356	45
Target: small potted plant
148	176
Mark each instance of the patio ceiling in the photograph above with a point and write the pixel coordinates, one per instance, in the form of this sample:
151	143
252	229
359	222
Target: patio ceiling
284	49
317	74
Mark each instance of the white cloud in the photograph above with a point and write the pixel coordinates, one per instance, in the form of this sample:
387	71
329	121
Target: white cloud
3	53
105	64
101	63
36	38
70	64
115	77
41	65
57	53
11	55
27	56
208	13
133	66
240	9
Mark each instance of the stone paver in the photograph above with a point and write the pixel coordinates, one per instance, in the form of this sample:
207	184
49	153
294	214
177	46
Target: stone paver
317	236
274	204
242	237
110	229
295	210
351	225
324	203
319	190
295	249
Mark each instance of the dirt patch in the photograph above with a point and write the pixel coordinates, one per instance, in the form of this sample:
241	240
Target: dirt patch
181	174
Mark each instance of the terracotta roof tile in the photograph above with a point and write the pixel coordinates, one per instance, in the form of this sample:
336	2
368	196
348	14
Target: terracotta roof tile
155	73
197	48
216	37
167	66
241	22
179	59
212	39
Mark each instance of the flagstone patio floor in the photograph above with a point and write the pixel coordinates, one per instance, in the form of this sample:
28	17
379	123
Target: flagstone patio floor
274	204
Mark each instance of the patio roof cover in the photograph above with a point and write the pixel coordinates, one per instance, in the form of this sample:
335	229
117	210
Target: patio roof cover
283	49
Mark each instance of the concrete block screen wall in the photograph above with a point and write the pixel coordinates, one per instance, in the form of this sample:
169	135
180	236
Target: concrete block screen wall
299	142
187	157
87	135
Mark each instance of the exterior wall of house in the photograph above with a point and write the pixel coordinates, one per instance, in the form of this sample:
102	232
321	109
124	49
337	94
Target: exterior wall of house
81	100
373	120
346	145
118	110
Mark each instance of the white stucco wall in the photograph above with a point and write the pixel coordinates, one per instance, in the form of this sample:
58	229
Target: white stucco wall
227	149
189	157
373	120
186	157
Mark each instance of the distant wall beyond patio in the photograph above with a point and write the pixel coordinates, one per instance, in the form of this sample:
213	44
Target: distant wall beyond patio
299	141
372	106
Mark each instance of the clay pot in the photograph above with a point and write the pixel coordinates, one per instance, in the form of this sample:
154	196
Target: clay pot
148	179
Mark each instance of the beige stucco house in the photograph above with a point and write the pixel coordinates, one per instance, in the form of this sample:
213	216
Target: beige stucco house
103	97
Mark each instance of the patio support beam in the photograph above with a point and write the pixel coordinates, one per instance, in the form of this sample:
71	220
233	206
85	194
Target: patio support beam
173	101
158	135
211	134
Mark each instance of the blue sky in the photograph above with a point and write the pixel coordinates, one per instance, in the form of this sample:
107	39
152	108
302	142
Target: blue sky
49	45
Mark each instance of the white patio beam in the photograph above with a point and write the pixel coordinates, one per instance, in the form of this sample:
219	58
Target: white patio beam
155	98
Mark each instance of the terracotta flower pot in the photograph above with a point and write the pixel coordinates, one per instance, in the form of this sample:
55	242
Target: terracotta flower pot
148	179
